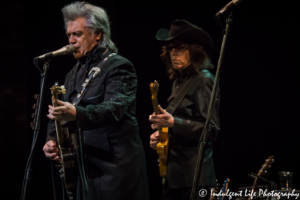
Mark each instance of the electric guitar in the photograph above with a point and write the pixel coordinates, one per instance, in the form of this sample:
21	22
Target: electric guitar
224	189
66	148
261	172
163	146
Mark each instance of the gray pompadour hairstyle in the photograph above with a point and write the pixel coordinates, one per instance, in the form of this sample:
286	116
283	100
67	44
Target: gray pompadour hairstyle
95	17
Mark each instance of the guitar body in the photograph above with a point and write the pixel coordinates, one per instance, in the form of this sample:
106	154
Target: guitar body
68	160
163	146
67	148
162	150
69	168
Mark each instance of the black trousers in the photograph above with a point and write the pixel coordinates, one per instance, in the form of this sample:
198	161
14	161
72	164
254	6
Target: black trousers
185	193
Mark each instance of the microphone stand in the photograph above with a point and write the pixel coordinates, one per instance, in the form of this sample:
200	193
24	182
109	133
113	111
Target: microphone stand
36	128
202	140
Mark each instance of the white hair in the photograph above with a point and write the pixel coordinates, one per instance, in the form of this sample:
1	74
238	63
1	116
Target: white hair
95	17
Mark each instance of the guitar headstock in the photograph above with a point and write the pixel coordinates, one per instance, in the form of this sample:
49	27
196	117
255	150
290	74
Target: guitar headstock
266	166
55	91
154	89
224	188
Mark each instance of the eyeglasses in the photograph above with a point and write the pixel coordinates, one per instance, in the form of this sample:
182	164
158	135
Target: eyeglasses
177	47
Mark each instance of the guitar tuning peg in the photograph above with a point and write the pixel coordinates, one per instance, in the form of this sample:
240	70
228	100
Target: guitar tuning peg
32	115
63	90
31	124
35	96
34	106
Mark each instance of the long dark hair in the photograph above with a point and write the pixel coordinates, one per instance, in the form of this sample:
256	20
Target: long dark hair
199	60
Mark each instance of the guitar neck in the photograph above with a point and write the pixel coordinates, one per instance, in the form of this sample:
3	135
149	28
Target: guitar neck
261	172
156	111
59	132
254	187
155	106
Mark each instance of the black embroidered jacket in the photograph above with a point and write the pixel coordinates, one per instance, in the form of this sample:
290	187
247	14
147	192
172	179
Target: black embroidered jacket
114	153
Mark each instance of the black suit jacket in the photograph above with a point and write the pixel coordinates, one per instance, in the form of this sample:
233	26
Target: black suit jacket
189	121
114	152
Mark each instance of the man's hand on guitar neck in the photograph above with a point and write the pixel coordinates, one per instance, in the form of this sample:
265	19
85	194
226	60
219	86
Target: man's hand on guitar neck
64	112
164	119
51	150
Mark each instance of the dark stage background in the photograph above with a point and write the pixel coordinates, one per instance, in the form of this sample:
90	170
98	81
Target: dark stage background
259	83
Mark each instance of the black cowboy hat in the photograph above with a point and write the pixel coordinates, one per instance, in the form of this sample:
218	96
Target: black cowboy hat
186	32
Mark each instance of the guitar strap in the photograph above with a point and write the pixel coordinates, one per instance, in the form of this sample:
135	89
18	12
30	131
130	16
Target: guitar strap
176	101
88	81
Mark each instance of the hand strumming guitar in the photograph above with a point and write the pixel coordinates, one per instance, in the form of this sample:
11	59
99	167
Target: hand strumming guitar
154	139
51	150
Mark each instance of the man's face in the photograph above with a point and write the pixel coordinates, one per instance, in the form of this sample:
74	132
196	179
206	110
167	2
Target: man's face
81	37
180	56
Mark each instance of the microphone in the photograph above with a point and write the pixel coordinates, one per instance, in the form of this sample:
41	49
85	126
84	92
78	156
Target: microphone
228	8
66	50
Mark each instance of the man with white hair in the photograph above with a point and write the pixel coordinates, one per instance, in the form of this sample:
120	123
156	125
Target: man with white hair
114	155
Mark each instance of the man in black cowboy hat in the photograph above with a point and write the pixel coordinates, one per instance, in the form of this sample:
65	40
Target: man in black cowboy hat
186	54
